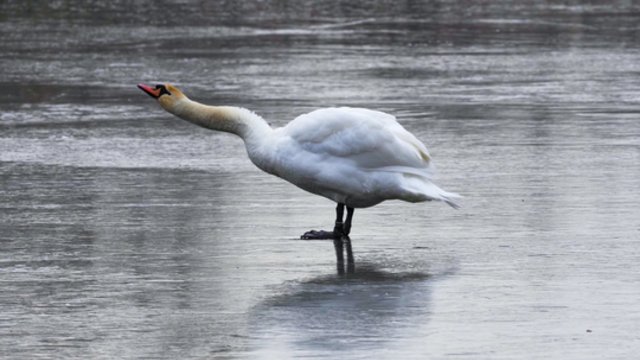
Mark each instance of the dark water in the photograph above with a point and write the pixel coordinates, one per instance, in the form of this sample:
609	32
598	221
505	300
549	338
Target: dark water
126	233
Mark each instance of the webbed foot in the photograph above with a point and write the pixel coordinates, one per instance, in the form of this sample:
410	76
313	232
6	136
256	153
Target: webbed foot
338	232
317	235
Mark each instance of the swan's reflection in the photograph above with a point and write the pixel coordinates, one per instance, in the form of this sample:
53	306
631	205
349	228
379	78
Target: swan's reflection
362	310
342	245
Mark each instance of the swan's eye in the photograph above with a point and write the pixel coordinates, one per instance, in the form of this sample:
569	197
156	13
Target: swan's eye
163	90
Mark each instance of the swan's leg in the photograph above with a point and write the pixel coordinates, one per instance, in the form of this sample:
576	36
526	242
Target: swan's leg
340	236
347	222
338	229
337	232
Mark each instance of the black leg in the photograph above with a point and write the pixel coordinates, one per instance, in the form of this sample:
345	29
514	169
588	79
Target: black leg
340	236
338	229
347	222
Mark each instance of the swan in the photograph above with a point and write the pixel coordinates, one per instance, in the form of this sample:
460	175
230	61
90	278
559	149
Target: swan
353	156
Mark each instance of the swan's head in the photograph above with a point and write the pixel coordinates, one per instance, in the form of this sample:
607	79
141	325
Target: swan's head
166	94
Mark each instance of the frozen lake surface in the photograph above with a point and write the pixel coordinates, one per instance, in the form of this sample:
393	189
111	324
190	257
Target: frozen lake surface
127	233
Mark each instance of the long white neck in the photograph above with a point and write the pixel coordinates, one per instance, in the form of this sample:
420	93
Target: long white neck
242	122
253	129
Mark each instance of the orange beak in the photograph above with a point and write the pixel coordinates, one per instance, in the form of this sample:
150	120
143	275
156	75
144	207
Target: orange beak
154	93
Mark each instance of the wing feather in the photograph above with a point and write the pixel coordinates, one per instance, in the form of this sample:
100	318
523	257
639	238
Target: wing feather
370	140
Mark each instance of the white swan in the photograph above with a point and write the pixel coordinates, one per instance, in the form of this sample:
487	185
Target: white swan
355	157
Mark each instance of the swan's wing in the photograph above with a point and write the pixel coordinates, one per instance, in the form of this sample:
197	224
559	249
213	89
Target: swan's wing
369	140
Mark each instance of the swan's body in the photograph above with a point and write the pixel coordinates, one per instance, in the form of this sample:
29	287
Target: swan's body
353	156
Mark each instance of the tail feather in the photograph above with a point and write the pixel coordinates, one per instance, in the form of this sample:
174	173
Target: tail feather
448	199
424	190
